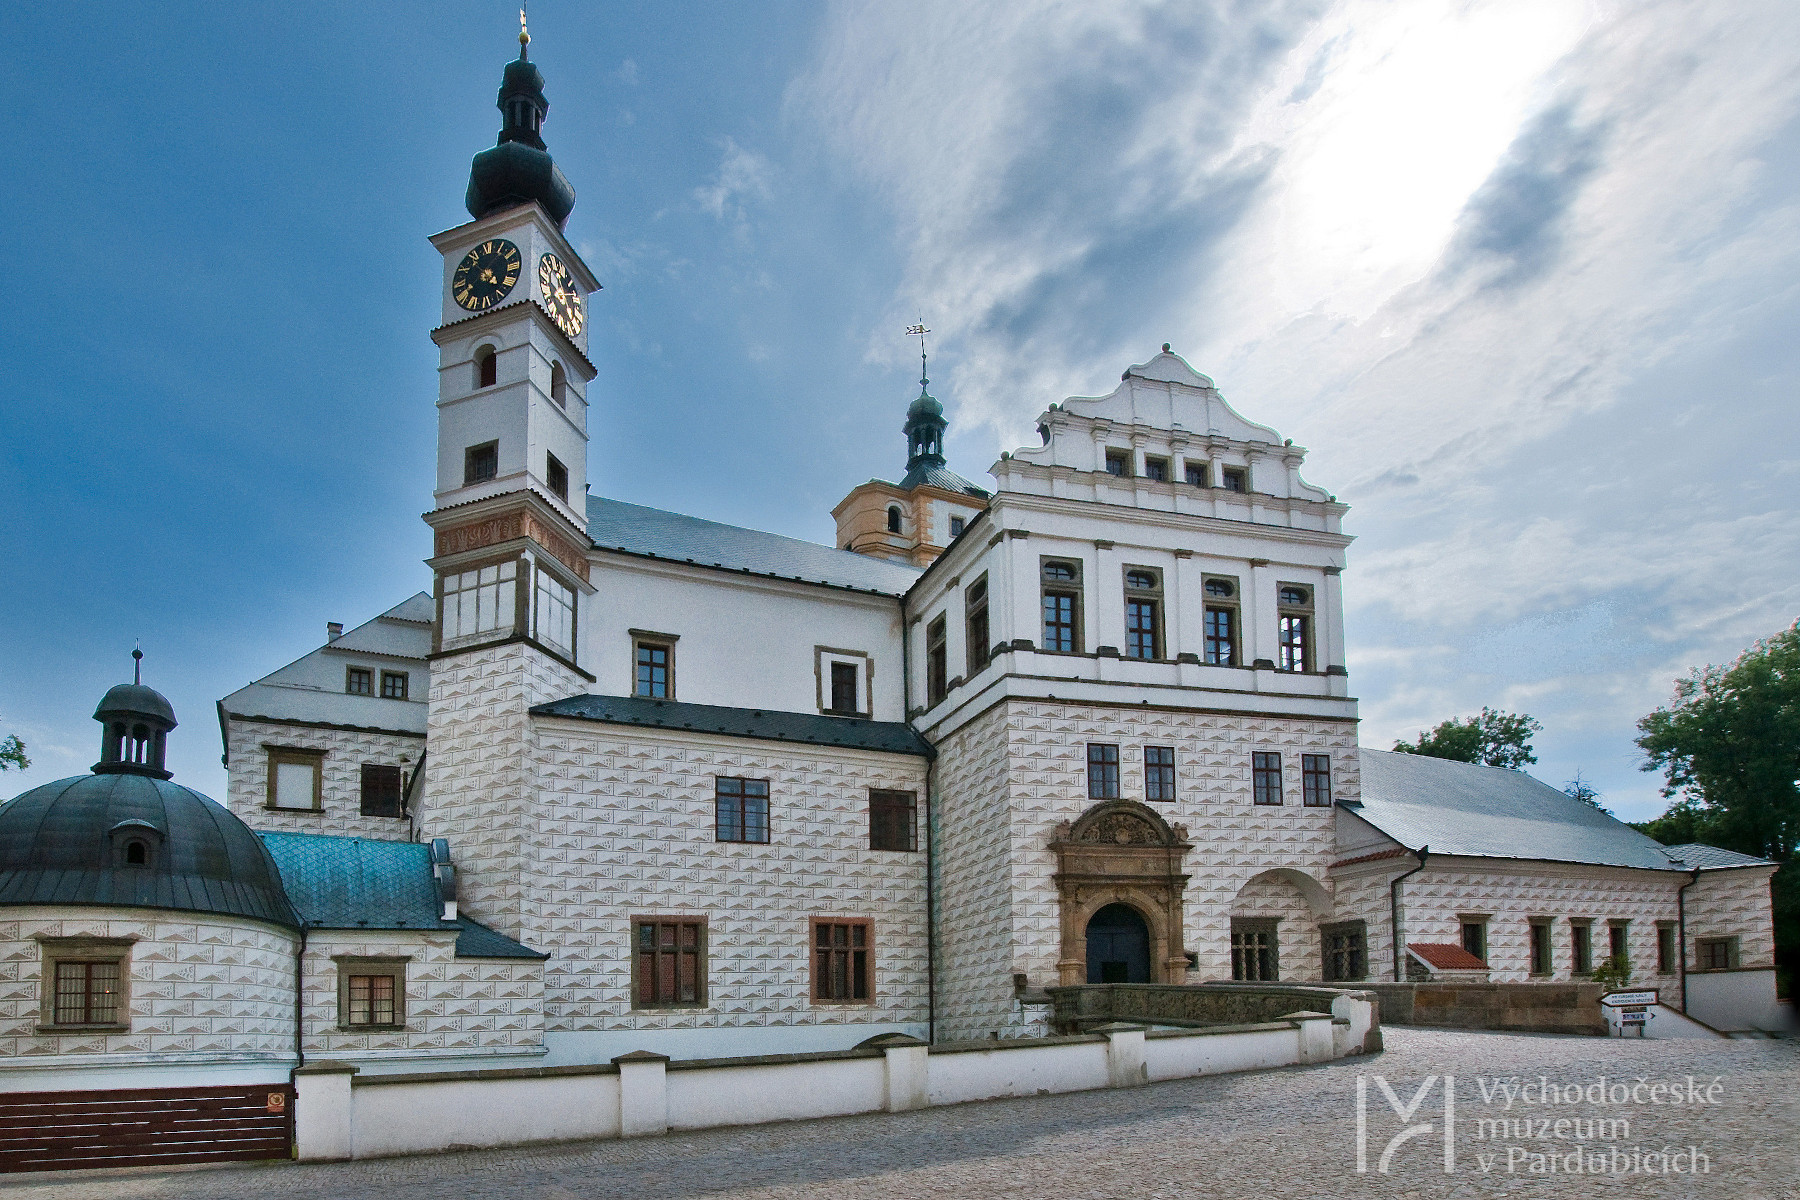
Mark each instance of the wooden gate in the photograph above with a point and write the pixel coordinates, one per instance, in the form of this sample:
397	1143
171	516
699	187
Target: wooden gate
51	1131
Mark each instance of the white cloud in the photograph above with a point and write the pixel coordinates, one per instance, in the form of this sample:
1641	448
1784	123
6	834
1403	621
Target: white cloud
743	176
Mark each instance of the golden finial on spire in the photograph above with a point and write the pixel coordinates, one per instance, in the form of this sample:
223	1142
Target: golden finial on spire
524	34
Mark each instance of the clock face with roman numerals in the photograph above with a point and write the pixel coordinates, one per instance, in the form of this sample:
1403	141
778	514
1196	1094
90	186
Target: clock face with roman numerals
486	274
561	298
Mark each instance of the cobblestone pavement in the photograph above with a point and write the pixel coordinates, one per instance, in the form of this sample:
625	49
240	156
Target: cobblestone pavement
1264	1135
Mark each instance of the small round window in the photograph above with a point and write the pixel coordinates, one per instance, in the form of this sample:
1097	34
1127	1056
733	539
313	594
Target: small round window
1060	571
1140	579
1220	587
1295	596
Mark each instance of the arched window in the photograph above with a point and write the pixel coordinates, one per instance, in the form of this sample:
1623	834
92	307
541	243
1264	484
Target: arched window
894	518
140	744
559	385
487	367
137	854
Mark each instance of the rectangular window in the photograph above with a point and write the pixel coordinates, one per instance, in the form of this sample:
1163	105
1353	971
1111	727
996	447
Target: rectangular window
1253	950
294	781
1265	777
956	527
843	687
86	992
669	964
841	967
1062	605
1665	948
382	788
975	606
1294	604
373	1001
1143	613
1346	951
1156	468
1159	772
937	663
481	463
554	620
1233	479
1118	462
1196	474
556	476
481	603
1474	937
1221	636
741	809
1103	771
359	681
1315	780
1715	954
1581	938
1617	946
653	668
893	820
1540	949
393	685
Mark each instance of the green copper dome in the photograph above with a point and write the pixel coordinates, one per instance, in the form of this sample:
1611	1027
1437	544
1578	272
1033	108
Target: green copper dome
518	169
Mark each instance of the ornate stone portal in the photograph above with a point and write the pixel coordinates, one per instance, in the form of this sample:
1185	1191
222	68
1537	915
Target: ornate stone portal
1121	852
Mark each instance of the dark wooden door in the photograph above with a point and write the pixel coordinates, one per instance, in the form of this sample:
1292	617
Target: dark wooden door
48	1131
1118	946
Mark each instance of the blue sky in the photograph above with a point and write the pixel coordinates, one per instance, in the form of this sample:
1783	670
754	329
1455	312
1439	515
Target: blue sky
1521	275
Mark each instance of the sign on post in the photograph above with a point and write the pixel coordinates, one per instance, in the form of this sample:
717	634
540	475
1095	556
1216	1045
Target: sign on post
1628	999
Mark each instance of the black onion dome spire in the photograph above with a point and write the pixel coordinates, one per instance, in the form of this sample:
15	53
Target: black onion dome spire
519	169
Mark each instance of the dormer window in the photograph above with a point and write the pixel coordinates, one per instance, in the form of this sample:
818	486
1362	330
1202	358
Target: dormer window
135	843
487	367
137	853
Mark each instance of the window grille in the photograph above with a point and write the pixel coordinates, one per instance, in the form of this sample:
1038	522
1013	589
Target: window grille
841	961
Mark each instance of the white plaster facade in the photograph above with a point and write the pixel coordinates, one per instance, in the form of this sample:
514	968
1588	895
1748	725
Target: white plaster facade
343	752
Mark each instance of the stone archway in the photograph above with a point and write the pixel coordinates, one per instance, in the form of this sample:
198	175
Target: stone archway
1121	852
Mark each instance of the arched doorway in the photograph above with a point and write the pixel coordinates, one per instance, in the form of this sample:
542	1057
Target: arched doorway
1118	946
1120	855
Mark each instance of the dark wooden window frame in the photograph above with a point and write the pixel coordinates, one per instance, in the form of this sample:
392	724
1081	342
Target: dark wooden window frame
842	950
1667	951
1234	479
481	462
1295	630
1120	459
1345	950
556	476
1148	599
1715	953
1540	948
1315	780
1581	946
1618	940
299	756
1156	468
1159	773
937	661
642	640
1472	934
734	810
957	525
383	792
1265	778
355	675
648	962
1103	771
975	626
1195	474
392	690
85	953
1058	594
354	968
893	820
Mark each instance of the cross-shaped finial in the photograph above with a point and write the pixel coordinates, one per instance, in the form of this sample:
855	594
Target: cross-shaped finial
919	331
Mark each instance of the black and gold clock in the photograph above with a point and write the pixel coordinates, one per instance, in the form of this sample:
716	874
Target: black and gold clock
486	274
561	299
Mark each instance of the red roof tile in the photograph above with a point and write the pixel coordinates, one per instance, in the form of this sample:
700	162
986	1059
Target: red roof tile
1446	957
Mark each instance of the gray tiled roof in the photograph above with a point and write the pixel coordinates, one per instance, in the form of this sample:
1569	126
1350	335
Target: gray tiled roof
366	883
1487	812
635	529
1712	858
894	737
940	477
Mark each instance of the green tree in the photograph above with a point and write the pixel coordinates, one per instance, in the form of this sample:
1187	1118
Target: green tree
1494	739
1729	750
12	753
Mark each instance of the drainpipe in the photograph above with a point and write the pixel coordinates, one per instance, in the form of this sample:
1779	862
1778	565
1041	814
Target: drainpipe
299	1001
1681	928
930	835
1423	853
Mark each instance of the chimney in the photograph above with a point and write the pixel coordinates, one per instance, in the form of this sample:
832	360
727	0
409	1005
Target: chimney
334	630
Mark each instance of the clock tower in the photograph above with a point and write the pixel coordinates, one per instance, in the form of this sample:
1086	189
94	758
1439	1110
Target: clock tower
509	514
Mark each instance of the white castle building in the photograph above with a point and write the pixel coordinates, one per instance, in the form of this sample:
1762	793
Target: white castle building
630	780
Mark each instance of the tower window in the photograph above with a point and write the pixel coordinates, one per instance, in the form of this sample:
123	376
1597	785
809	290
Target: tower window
1143	614
1220	623
553	616
481	462
937	663
956	527
975	602
1062	606
893	518
481	602
487	367
1294	610
559	385
556	476
1315	782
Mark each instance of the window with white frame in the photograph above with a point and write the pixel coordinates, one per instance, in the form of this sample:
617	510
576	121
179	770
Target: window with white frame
554	619
481	603
843	678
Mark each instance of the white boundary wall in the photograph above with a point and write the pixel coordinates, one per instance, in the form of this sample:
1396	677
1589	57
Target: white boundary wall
339	1116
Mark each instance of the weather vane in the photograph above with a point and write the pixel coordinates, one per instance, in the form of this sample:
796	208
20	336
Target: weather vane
919	331
524	35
